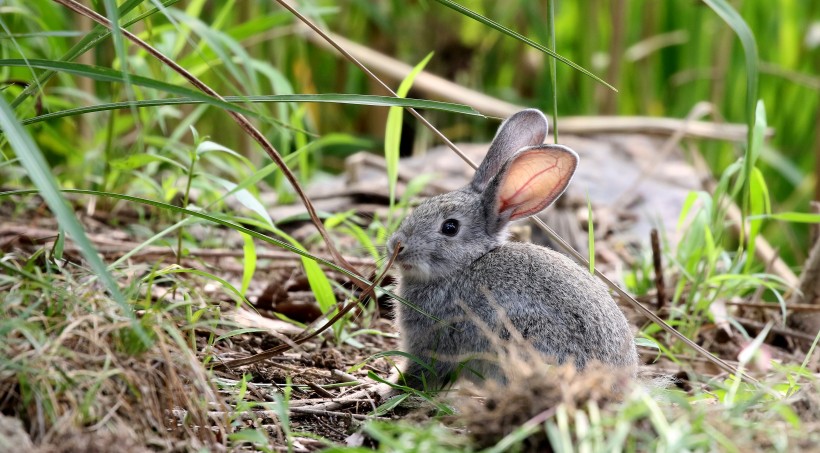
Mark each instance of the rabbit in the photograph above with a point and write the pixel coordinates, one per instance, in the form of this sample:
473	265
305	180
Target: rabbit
467	287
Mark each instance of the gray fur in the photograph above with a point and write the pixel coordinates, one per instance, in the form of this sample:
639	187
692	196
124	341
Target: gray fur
478	284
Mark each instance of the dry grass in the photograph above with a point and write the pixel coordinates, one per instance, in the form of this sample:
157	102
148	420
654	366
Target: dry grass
73	377
72	372
533	391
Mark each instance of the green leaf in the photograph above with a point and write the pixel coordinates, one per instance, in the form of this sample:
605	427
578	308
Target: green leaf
357	232
647	343
392	133
236	332
109	75
31	158
318	281
59	245
794	217
253	436
138	160
759	204
691	197
495	25
249	264
747	39
753	144
244	197
113	15
208	146
755	191
390	404
333	98
758	136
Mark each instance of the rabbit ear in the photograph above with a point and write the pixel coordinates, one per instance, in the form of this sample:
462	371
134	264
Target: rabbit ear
528	183
525	128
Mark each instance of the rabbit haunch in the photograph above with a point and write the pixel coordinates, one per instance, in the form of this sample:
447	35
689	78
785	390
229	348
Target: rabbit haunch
473	291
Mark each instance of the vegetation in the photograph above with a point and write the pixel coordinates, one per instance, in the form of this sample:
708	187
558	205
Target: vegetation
136	225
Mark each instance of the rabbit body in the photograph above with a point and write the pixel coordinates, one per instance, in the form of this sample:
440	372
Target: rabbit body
469	286
577	322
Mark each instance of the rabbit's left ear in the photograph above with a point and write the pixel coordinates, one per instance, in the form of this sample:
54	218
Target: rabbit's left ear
529	182
526	128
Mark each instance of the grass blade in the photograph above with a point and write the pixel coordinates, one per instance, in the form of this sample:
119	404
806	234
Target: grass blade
97	34
756	200
552	69
392	133
248	263
109	75
495	25
31	158
747	39
794	217
729	15
355	99
317	280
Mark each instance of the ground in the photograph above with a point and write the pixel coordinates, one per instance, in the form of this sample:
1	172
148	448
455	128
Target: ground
75	376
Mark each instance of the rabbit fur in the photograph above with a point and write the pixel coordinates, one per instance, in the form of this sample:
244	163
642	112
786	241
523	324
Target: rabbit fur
472	289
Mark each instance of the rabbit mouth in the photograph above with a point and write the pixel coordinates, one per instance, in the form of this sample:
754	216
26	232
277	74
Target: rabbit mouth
413	271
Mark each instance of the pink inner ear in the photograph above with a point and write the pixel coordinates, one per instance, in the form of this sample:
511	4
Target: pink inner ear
534	180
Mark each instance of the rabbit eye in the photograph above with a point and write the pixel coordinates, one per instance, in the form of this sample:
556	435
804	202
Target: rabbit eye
449	227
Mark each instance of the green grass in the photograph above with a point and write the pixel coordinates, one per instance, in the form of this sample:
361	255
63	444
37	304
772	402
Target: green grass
102	119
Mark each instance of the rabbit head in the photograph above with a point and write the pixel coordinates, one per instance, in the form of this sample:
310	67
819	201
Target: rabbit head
519	177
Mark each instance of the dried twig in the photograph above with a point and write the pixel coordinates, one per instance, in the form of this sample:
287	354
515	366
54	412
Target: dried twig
319	390
748	323
660	285
250	415
809	294
778	307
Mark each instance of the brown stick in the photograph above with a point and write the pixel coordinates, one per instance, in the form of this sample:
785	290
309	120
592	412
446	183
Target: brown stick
808	294
789	307
660	285
437	87
243	122
748	323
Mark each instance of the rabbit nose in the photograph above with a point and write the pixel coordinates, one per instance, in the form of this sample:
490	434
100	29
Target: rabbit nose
396	247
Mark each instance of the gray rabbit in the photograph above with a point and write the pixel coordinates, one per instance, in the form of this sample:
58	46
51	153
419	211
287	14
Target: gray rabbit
470	287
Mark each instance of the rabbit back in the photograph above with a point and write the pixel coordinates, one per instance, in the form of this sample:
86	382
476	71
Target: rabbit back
555	304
